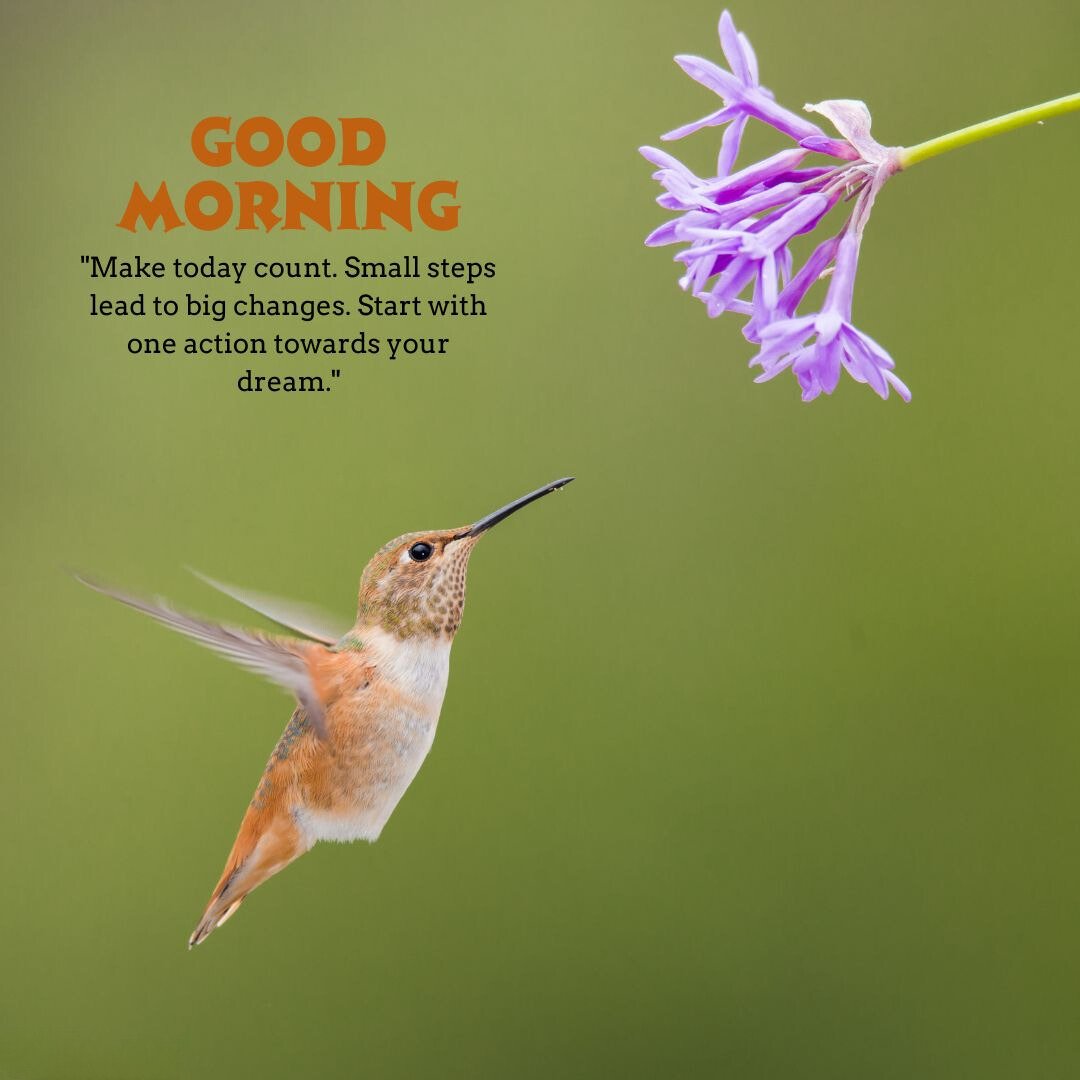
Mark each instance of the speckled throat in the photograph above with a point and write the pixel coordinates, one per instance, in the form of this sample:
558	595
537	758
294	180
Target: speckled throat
416	599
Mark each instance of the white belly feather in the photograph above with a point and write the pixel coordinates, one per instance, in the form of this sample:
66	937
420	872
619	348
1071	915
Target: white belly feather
419	669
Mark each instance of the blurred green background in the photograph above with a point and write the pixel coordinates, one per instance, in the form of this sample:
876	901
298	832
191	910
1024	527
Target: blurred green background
760	753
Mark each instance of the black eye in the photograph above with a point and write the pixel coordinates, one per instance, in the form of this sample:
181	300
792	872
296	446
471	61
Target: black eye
420	552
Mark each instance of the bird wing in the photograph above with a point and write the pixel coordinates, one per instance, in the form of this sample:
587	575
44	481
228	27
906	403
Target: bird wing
281	660
304	619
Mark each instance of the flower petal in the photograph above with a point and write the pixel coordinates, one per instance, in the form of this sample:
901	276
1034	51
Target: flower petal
898	386
761	173
822	144
663	160
852	119
749	58
781	338
729	42
729	145
759	102
729	284
811	271
711	76
714	119
860	366
663	234
831	357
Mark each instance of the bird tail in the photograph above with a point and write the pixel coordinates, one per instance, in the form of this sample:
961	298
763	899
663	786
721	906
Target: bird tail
254	858
223	903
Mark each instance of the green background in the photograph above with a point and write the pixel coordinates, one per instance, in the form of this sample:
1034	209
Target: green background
760	751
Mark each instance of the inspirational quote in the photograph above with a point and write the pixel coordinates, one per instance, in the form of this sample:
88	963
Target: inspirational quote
400	293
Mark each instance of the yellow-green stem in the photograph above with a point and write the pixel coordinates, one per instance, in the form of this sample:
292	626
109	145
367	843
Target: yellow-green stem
912	155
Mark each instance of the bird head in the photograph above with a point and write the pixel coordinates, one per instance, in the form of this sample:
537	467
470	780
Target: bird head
414	586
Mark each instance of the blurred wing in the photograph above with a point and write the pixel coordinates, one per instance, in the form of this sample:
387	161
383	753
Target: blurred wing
278	659
304	619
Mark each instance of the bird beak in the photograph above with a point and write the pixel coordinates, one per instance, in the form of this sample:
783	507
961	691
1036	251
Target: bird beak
512	508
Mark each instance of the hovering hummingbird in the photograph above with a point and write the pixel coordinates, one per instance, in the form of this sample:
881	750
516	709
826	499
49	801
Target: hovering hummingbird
368	699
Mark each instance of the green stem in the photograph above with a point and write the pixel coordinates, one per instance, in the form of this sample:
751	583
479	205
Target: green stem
912	155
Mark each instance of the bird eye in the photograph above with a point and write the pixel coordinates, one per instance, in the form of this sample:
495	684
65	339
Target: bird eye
420	552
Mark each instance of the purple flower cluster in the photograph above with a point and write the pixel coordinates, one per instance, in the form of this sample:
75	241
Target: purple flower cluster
737	226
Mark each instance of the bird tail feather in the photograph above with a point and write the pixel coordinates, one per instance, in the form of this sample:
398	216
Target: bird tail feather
249	865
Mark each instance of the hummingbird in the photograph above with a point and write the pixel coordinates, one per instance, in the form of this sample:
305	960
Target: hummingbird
367	699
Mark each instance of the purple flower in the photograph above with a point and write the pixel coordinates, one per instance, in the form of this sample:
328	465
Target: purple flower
737	227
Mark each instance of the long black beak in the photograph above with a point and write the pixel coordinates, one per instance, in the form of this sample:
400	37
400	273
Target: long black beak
511	508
